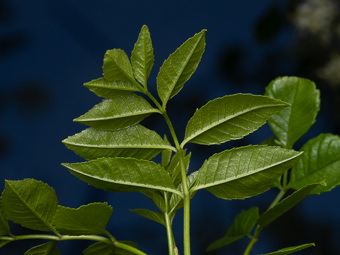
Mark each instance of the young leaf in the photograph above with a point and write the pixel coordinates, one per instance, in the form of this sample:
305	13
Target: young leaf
244	172
4	227
123	174
294	121
241	227
283	206
117	66
151	215
30	203
290	250
230	118
49	248
109	89
175	169
179	67
136	141
88	219
155	197
319	162
105	249
117	113
142	57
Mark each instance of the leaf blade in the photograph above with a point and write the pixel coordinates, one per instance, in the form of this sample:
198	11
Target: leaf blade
150	215
290	250
49	248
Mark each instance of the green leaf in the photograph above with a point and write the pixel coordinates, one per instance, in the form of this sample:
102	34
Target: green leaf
110	89
142	57
155	197
283	206
3	243
117	113
151	215
88	219
175	168
4	227
117	66
241	227
179	67
319	162
229	118
294	121
136	141
244	172
123	174
49	248
105	249
290	250
30	203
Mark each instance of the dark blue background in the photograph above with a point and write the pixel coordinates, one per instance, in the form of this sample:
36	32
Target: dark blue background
48	49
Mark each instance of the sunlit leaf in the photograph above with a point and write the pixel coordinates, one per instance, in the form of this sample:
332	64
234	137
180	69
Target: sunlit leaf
241	227
88	219
142	57
117	113
244	172
136	141
49	248
230	118
294	121
109	89
180	66
30	203
151	215
290	250
123	174
320	162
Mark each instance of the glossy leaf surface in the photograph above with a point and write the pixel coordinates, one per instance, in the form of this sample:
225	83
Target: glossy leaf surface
136	141
290	250
105	249
109	89
244	172
242	225
49	248
30	203
123	174
117	113
293	122
142	57
180	66
230	118
320	162
88	219
151	215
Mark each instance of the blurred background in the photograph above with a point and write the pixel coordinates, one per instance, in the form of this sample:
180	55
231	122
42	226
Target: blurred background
48	49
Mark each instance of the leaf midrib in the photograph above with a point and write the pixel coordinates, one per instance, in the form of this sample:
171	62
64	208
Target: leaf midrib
112	117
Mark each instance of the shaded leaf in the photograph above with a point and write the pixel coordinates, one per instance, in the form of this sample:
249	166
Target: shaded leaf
155	197
105	249
290	250
117	66
180	66
3	243
285	205
117	113
244	172
123	174
30	203
49	248
229	118
142	57
88	219
241	227
175	168
293	122
4	227
151	215
320	162
109	89
136	141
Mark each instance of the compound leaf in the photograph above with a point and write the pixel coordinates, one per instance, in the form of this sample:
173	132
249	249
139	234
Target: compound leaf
244	172
49	248
123	174
290	250
106	249
320	162
117	66
117	113
229	118
142	57
180	66
151	215
136	141
30	203
88	219
293	122
241	227
109	89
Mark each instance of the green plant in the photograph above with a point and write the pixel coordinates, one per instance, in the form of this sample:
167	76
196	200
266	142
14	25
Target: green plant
119	153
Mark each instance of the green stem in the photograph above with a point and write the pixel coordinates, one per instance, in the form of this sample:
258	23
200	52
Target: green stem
171	239
128	248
